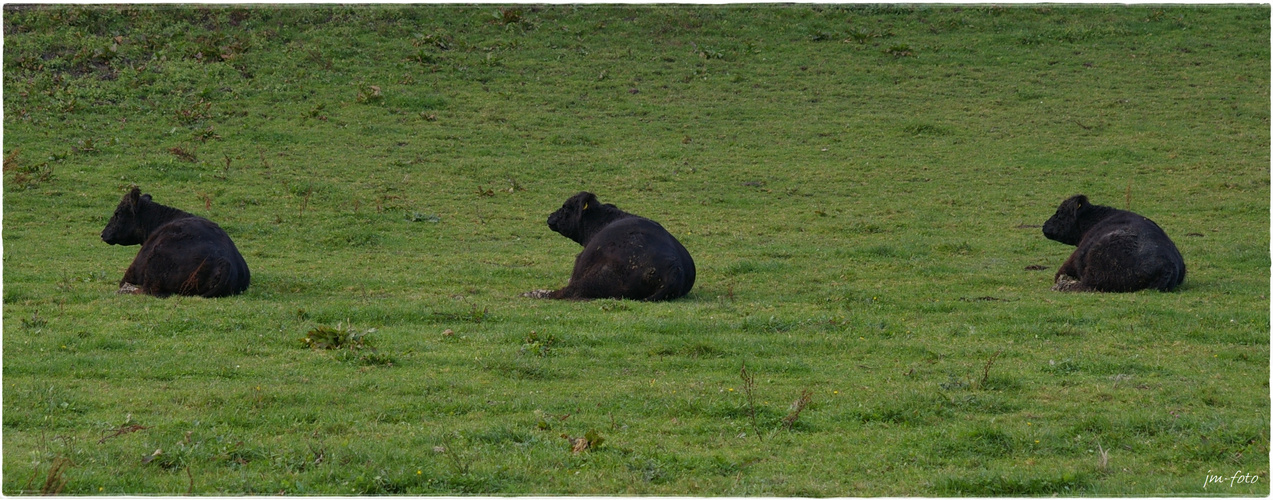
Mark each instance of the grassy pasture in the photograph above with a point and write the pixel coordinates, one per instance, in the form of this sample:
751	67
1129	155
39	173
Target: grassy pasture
861	188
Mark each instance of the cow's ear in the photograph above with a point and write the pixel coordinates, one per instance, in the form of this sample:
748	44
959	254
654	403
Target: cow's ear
133	199
145	197
1080	202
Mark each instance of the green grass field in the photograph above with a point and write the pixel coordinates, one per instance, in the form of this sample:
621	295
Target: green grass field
861	188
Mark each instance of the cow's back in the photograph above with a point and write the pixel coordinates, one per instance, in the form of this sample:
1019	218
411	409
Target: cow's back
1136	253
638	242
190	256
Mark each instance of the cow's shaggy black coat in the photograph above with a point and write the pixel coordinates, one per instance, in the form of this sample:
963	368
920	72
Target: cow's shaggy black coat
180	253
1118	251
624	256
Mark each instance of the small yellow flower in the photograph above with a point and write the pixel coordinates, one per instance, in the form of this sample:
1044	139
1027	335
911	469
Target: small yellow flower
418	472
731	389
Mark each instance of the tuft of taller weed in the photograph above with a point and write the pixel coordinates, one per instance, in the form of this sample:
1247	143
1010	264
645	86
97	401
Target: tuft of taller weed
348	343
749	388
458	459
796	408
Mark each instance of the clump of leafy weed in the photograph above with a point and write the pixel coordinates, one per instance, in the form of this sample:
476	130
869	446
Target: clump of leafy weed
590	441
514	186
538	344
27	177
217	48
317	112
953	383
441	41
206	134
341	336
862	35
198	111
86	146
367	94
96	58
183	155
35	322
350	344
709	53
900	50
512	15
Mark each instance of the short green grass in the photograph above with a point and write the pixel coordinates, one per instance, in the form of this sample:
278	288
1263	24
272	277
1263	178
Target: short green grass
861	188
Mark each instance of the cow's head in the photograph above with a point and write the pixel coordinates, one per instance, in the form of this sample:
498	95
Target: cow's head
125	226
1064	224
568	220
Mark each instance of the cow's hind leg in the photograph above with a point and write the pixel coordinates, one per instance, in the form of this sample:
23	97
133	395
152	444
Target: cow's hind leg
216	278
1165	279
599	284
1112	265
667	286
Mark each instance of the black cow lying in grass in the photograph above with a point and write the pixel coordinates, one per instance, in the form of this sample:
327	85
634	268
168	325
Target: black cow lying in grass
624	256
1118	251
180	253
